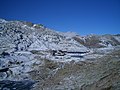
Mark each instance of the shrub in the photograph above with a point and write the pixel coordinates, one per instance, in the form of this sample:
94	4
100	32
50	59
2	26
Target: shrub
30	24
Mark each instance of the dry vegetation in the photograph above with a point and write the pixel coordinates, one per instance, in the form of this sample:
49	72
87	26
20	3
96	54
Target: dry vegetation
91	42
101	74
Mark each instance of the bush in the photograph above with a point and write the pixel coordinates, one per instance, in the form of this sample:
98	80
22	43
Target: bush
30	24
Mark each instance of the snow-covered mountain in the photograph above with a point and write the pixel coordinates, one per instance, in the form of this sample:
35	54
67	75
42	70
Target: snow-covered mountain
26	47
21	37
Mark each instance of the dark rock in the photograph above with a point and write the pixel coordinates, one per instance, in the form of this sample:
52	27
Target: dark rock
16	85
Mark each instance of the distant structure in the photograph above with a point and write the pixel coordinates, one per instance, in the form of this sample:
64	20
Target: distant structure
70	53
58	53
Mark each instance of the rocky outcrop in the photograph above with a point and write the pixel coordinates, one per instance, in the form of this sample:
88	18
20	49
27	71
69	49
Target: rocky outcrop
16	85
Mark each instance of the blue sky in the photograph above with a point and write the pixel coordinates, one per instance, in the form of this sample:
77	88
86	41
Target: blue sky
80	16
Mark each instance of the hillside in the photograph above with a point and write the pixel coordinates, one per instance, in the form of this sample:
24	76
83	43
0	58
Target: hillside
32	54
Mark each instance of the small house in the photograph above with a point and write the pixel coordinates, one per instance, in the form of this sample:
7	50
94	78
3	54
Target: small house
75	54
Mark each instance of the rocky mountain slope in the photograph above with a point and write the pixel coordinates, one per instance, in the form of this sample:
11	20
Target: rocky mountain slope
56	60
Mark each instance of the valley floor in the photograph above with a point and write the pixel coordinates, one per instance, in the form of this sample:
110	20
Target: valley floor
99	74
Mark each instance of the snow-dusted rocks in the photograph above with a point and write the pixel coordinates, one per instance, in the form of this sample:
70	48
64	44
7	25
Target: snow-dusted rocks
32	51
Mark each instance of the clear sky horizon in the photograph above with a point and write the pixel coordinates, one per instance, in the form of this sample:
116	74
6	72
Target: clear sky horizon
80	16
